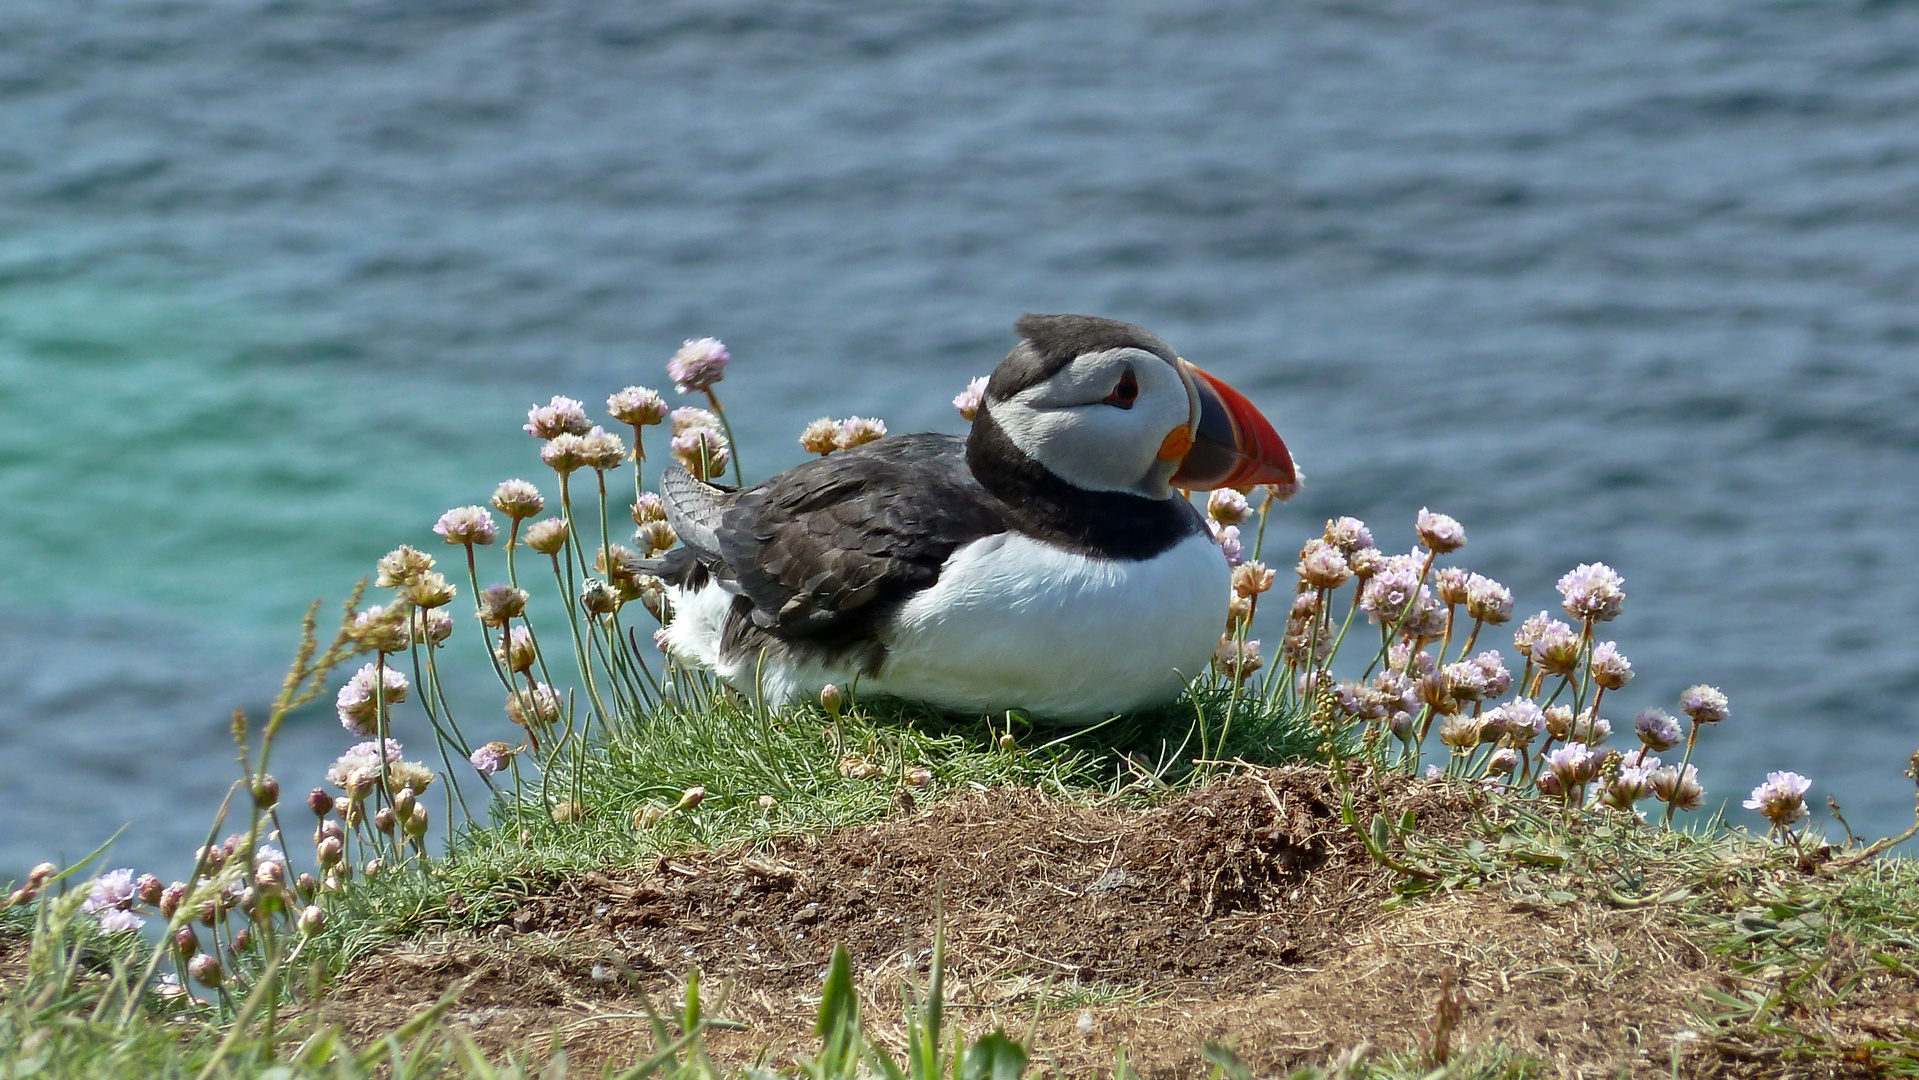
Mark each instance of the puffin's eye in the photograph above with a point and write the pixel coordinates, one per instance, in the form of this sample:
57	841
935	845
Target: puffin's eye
1125	393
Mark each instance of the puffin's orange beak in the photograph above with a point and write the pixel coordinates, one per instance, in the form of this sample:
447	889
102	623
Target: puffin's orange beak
1233	445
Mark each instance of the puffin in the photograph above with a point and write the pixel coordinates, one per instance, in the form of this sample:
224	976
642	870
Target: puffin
1050	561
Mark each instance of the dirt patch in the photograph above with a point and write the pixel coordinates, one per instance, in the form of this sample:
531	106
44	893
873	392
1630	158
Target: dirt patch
1243	911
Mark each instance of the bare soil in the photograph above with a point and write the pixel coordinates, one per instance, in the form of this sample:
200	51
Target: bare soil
1244	912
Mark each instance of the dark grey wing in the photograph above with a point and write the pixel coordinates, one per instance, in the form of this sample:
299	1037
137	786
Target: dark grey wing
831	547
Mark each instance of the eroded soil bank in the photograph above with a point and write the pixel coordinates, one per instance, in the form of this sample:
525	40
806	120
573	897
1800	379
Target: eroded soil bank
1244	912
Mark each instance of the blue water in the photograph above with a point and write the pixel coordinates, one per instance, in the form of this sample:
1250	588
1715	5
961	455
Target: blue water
1637	283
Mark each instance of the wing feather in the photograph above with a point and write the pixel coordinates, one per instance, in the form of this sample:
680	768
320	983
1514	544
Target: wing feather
829	548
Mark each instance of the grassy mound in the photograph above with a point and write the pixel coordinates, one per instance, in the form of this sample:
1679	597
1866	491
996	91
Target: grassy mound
1118	918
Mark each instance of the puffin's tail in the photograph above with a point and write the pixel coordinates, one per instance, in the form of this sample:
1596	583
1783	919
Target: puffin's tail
693	508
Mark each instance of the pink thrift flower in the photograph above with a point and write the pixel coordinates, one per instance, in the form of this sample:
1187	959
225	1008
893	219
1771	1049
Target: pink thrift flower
467	525
1227	536
1228	507
1349	534
517	499
699	364
968	401
1322	565
1610	668
860	430
702	452
355	702
1487	600
1782	798
492	757
561	416
1705	704
1657	730
113	889
821	437
636	406
687	417
1592	592
1439	533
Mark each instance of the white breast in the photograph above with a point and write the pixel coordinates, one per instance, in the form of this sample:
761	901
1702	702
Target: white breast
1015	623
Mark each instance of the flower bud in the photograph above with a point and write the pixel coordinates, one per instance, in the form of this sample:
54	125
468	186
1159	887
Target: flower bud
266	791
768	802
271	874
416	824
242	941
205	969
1559	721
646	817
185	940
383	820
373	867
918	778
568	811
149	889
598	598
330	852
319	802
1502	762
691	797
306	886
403	803
855	767
1007	743
311	920
832	700
40	873
170	898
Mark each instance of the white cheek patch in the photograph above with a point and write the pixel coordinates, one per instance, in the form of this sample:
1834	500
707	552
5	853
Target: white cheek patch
1061	424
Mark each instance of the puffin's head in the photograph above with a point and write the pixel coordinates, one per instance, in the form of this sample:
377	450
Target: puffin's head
1107	406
